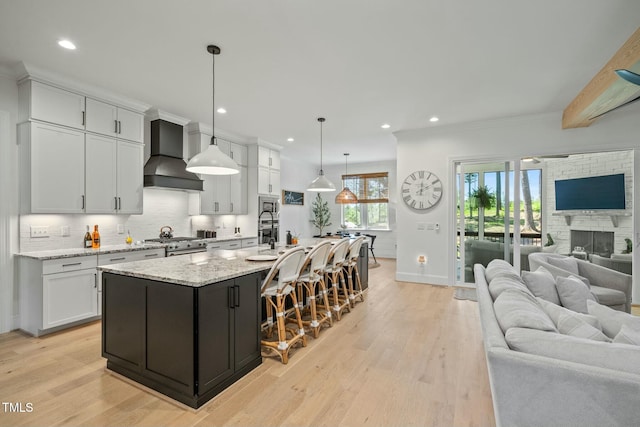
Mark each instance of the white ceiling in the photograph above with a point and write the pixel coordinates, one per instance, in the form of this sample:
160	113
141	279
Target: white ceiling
359	63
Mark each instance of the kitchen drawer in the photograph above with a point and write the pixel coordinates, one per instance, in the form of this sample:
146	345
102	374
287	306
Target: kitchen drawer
121	257
227	245
69	264
249	243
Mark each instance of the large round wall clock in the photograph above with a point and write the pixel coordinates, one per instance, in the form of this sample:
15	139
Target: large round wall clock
421	190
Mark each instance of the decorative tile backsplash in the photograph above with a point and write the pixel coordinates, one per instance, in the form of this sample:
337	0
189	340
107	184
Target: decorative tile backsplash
161	207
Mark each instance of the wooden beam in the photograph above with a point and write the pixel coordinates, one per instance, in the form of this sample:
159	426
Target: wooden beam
606	90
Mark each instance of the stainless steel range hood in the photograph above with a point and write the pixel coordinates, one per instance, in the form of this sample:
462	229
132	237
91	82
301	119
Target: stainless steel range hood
166	167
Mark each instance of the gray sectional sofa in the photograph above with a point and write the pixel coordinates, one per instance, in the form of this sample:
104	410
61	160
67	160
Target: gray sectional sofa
540	377
612	288
619	262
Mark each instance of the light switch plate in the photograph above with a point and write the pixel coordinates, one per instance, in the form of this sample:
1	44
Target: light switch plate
65	231
38	231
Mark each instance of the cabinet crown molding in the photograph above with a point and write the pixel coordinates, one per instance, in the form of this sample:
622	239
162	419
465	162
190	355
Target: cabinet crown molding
156	114
25	71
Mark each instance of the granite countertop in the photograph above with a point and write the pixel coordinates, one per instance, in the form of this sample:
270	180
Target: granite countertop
75	252
197	269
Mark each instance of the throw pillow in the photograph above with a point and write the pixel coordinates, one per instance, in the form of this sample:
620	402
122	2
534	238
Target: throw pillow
542	284
555	311
570	324
499	266
516	308
612	320
573	293
628	335
569	264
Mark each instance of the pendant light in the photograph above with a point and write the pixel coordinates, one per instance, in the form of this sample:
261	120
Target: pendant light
212	161
321	183
346	197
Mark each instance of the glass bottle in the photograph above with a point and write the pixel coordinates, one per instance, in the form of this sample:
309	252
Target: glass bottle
88	240
95	237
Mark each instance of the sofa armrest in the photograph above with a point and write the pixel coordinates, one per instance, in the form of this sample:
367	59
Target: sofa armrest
531	390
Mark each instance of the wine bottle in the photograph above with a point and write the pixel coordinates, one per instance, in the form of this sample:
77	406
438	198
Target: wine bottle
88	240
95	237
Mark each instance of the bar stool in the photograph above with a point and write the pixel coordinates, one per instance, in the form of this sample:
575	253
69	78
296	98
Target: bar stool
280	283
333	270
373	239
351	266
311	282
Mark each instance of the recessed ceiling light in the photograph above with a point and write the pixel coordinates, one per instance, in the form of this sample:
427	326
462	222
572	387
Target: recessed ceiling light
385	126
67	44
290	139
433	119
221	110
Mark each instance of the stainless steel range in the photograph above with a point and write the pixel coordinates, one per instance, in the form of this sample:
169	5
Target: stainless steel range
182	245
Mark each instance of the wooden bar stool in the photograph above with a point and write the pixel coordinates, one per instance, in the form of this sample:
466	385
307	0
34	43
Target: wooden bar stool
311	282
351	266
280	283
333	270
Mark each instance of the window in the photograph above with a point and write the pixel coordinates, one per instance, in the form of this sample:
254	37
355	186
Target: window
372	210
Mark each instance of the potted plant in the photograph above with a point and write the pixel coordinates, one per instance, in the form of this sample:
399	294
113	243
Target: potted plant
629	246
321	214
483	197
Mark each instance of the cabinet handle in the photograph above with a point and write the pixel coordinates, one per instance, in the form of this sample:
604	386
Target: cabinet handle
230	296
231	206
119	203
71	265
270	162
117	259
119	126
236	295
95	281
150	255
83	202
115	201
115	122
83	118
269	188
216	207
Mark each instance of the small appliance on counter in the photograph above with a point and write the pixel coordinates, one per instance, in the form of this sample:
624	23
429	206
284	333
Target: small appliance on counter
205	234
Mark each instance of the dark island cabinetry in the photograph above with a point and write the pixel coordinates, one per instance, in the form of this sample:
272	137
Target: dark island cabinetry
188	343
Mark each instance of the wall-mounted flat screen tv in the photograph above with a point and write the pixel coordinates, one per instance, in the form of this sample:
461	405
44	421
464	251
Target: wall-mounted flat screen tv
591	193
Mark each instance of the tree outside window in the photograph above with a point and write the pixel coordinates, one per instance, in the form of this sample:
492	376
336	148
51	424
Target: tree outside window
372	210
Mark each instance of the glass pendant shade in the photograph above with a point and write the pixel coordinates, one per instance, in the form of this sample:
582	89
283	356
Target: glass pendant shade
346	196
212	161
321	183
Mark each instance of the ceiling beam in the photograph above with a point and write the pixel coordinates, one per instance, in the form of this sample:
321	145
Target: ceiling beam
606	90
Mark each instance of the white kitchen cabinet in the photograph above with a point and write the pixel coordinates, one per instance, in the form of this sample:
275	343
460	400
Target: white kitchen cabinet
268	158
101	180
39	101
268	181
267	163
129	177
110	120
238	153
249	243
238	192
56	293
52	160
226	245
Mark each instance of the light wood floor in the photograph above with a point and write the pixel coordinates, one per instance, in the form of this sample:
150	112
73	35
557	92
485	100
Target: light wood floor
410	355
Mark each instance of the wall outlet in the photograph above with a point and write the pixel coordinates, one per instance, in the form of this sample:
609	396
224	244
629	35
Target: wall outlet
120	228
65	231
38	231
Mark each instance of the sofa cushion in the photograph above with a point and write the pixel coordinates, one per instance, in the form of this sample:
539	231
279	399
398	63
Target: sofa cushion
503	282
572	324
612	320
628	335
608	296
622	257
542	284
516	308
621	357
569	264
500	267
573	293
554	311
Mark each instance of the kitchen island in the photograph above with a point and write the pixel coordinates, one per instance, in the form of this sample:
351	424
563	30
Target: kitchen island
186	326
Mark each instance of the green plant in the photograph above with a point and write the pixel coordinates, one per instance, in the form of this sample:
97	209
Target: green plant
321	213
483	196
629	246
550	241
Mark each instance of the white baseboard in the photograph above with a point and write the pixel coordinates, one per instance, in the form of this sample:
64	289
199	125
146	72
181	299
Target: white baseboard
421	278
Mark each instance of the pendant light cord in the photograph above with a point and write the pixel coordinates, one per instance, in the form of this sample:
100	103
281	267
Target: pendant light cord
213	101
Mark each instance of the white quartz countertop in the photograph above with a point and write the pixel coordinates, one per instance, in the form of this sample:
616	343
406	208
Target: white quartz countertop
197	269
74	252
